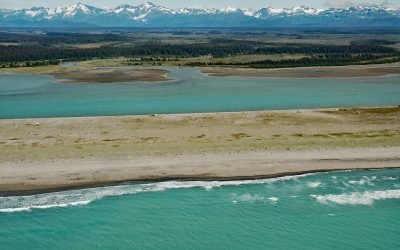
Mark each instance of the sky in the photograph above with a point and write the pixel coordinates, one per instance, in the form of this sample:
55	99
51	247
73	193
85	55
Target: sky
323	4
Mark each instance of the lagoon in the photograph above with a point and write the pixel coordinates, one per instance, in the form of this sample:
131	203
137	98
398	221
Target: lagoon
29	96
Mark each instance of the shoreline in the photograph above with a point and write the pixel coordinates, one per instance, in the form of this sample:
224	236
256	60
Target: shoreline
220	167
201	114
182	179
50	154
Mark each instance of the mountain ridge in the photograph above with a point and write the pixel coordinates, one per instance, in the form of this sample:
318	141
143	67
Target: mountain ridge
151	15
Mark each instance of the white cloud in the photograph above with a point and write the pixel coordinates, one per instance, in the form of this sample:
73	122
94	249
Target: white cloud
348	3
338	3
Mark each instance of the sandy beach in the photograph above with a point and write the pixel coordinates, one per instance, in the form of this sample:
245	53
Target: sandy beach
33	177
54	153
325	71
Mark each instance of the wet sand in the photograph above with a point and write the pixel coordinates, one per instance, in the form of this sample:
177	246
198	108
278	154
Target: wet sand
324	71
54	153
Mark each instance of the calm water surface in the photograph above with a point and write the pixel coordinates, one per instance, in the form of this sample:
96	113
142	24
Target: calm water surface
23	96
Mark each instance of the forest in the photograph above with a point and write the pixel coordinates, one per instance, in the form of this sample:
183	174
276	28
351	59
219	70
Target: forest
19	49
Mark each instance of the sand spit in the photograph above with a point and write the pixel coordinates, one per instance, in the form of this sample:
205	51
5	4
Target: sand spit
52	153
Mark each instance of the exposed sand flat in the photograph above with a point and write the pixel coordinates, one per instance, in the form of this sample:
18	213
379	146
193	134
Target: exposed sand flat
325	71
82	73
53	153
109	75
76	73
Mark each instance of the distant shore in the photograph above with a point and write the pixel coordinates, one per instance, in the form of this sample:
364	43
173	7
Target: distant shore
109	73
58	153
323	71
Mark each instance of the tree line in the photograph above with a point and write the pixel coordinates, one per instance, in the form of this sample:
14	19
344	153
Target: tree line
24	53
320	60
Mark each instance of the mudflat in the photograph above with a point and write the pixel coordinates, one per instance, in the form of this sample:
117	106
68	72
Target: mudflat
52	153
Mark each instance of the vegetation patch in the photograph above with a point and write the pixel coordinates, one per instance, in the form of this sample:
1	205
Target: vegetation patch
240	135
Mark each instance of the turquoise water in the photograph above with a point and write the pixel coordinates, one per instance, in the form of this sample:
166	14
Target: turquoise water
338	210
23	96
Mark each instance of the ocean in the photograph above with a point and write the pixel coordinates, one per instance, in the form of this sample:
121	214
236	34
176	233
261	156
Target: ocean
336	210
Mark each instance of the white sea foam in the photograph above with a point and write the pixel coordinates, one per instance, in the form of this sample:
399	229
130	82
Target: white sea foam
21	209
85	196
11	210
314	184
247	198
358	198
359	182
273	200
390	178
364	180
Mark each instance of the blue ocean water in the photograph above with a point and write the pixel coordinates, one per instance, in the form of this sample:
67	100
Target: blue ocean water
24	96
337	210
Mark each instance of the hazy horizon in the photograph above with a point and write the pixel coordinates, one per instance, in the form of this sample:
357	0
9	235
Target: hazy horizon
19	4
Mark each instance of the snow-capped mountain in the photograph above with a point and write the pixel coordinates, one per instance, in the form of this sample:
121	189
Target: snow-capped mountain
74	10
151	15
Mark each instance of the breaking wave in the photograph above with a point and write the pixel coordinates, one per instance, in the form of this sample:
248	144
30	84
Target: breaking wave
21	209
364	180
85	196
358	198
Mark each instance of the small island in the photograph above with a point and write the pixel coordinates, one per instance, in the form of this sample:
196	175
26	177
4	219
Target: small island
109	75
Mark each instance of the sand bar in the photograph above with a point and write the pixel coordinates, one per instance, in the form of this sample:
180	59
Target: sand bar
109	75
325	71
76	73
54	153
